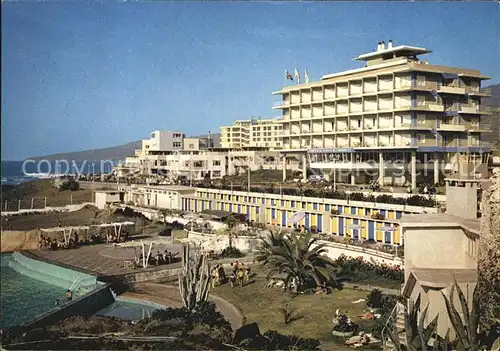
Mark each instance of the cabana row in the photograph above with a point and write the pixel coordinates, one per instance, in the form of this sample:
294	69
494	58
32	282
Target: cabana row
95	228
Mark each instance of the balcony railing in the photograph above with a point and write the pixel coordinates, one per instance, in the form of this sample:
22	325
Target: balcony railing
281	103
429	106
450	89
424	86
452	127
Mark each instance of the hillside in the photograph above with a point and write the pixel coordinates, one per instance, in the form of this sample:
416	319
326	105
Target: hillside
110	153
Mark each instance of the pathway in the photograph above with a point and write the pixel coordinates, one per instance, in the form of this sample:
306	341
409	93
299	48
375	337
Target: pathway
168	295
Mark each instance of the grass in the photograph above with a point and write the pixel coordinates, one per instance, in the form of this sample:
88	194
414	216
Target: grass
39	190
313	313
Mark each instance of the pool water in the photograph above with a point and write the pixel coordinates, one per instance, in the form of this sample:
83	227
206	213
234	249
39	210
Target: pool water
127	310
23	298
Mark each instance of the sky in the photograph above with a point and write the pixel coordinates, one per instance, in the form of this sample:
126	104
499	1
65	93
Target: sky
82	75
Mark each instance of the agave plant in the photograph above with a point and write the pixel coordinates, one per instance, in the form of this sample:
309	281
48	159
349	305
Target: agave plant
466	323
296	259
416	336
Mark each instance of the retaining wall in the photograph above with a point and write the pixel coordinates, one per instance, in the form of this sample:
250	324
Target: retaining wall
12	240
86	305
333	250
67	208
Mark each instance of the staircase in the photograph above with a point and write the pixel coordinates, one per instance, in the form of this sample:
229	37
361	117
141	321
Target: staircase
396	318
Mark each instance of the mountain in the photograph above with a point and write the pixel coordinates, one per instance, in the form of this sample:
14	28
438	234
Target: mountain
110	153
494	99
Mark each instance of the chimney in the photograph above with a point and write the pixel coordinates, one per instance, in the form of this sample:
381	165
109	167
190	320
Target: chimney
389	45
382	45
379	45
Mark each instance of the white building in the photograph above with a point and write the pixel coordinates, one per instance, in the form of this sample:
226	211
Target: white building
161	196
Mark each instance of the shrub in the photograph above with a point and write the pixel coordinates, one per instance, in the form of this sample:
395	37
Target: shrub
357	269
344	324
374	299
71	185
231	252
278	341
335	212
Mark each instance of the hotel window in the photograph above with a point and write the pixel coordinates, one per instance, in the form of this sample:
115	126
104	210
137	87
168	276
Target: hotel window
216	163
177	144
176	135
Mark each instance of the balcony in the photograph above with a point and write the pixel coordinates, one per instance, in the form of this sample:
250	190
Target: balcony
281	104
450	89
429	107
478	91
452	127
426	86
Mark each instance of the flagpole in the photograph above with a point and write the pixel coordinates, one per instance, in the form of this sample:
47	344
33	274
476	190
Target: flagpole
284	84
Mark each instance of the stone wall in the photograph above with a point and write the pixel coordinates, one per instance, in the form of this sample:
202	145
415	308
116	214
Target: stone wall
12	240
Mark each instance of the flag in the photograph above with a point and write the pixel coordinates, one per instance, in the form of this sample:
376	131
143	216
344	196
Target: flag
297	76
288	75
307	76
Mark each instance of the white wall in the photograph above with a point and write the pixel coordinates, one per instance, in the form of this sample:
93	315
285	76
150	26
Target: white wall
334	250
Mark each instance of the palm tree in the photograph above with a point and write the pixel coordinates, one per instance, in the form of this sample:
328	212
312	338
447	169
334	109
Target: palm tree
296	259
231	221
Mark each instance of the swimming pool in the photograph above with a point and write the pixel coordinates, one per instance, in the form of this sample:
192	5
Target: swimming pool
23	298
128	310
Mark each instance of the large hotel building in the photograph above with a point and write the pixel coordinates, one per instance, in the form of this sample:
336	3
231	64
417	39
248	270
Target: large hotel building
388	120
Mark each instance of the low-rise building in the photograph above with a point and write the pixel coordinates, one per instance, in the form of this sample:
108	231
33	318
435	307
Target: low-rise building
441	249
161	196
102	198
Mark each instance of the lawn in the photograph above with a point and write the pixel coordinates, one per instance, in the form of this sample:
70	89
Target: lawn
314	312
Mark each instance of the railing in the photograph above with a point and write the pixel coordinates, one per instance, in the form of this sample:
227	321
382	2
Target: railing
281	103
391	319
424	86
452	127
468	108
429	106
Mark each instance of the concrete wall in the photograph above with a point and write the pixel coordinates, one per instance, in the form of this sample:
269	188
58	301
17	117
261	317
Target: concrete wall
102	198
433	299
86	305
12	240
436	247
468	205
333	250
50	273
67	208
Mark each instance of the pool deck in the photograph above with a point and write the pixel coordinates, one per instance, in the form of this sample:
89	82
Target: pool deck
97	260
90	259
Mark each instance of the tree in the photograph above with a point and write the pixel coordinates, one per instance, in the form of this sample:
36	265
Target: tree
163	213
231	221
296	259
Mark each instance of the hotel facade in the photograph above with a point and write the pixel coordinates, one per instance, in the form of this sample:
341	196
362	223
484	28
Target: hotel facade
387	121
252	133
